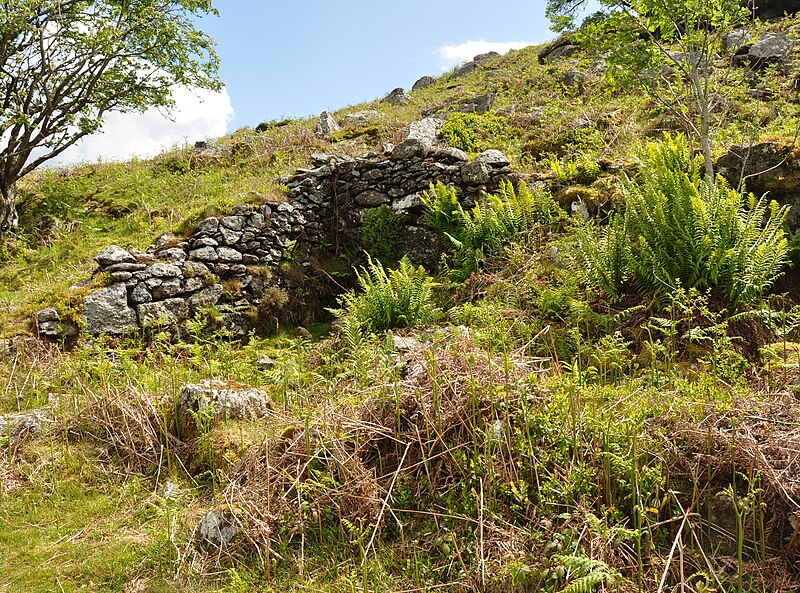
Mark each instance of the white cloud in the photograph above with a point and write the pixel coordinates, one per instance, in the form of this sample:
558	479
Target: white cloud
198	114
453	55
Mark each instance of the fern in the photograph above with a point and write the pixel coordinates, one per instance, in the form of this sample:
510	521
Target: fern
585	574
683	231
490	225
400	297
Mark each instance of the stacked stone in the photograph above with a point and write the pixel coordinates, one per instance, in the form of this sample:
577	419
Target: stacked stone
326	207
335	195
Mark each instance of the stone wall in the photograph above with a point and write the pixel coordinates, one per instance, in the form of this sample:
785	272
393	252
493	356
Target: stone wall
230	261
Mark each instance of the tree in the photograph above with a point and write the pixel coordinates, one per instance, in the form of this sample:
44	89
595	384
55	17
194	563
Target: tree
64	64
667	47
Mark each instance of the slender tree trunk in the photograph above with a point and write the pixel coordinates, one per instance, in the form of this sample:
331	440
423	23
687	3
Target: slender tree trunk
8	209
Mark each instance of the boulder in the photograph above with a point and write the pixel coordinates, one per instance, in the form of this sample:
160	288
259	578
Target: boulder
775	9
573	78
106	311
452	155
771	48
736	39
326	125
465	69
493	158
397	96
560	48
423	82
476	173
113	254
487	56
202	405
425	130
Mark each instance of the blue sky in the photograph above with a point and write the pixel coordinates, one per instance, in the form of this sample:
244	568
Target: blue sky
296	58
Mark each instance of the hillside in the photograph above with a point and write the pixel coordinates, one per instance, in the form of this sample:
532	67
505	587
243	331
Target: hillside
219	372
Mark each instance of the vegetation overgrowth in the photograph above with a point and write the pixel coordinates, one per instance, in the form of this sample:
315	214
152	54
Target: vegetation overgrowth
563	405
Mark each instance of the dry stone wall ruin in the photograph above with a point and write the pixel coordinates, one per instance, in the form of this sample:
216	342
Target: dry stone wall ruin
230	261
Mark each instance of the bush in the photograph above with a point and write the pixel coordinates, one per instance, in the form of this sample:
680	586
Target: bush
473	132
395	298
382	233
679	230
490	225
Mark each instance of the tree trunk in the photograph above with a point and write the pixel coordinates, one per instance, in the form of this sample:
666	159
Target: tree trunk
8	208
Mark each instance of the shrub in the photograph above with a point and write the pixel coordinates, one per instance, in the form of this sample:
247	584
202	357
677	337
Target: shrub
472	132
402	297
490	225
682	231
382	233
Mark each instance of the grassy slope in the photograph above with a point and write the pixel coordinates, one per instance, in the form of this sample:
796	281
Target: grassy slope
76	509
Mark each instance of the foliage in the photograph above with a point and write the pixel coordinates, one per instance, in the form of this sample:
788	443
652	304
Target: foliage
490	225
382	233
66	64
472	132
686	232
401	297
665	47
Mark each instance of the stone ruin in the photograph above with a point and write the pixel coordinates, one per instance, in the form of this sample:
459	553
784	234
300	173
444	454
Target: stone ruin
231	261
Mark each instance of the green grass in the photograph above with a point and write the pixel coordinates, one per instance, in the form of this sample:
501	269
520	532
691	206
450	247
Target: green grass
506	480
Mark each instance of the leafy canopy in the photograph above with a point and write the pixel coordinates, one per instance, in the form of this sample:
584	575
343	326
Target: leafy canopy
66	63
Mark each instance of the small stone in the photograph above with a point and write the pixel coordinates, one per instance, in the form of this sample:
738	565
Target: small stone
204	254
205	242
207	226
216	530
166	312
409	149
168	288
229	237
121	276
494	158
160	270
141	294
476	173
228	254
265	363
207	296
234	223
371	198
450	154
113	254
172	254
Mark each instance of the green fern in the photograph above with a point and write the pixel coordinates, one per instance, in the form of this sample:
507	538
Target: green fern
584	575
682	231
490	225
401	297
